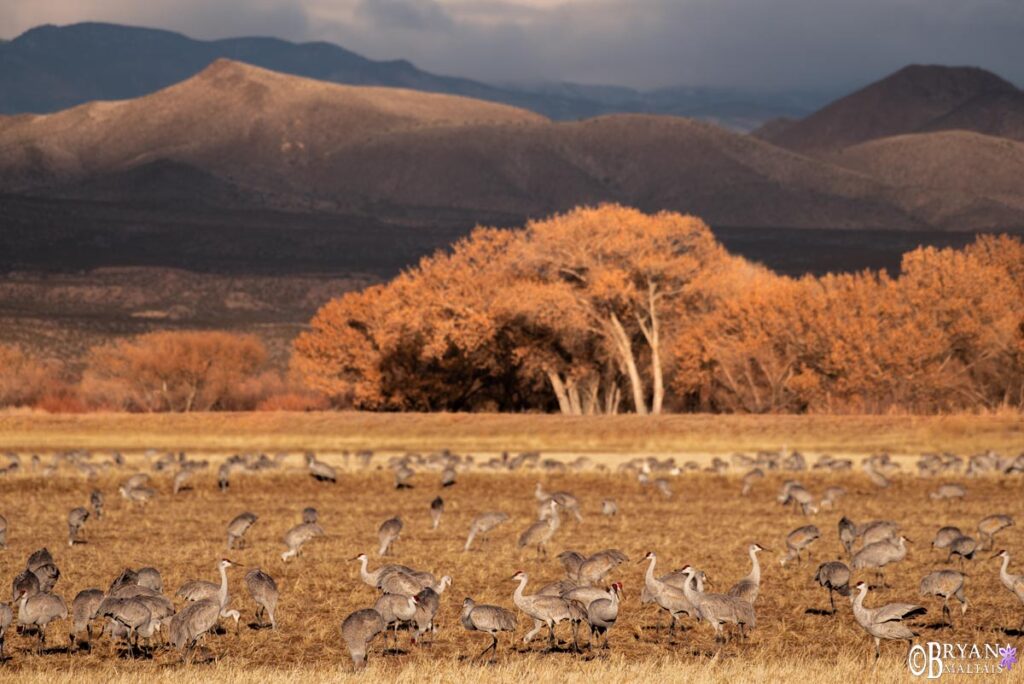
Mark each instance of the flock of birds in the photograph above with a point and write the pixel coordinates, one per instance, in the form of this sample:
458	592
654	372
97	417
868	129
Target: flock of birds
134	610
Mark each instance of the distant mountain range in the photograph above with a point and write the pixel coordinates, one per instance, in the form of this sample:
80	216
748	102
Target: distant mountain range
51	68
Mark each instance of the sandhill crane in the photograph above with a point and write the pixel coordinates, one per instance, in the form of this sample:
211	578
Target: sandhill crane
718	609
748	587
482	525
448	476
224	476
296	537
373	578
320	471
879	530
409	582
945	584
831	496
663	487
877	478
989	527
884	622
358	630
25	581
133	615
834	576
39	610
403	473
309	514
544	610
945	537
6	617
137	495
150	578
201	590
964	547
39	558
539	533
602	612
1014	583
96	501
428	602
667	596
749	479
609	508
848	534
948	492
436	510
387	534
798	540
588	571
488	619
3	532
237	528
181	478
47	574
396	610
84	609
880	554
192	623
564	499
263	590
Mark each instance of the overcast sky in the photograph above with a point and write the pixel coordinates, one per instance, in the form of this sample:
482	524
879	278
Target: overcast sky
770	44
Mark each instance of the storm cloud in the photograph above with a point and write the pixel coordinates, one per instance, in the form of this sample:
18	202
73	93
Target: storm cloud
764	44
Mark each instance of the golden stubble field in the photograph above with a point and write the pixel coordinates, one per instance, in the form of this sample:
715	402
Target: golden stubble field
706	524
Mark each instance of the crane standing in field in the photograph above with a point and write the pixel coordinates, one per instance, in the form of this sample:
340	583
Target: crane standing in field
945	584
296	538
798	540
76	519
39	610
539	533
358	629
747	588
1014	583
884	622
834	576
387	534
237	528
544	610
436	511
880	554
191	624
488	619
263	590
482	525
200	590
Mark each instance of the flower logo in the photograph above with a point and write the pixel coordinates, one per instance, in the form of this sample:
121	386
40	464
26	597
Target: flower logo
1009	655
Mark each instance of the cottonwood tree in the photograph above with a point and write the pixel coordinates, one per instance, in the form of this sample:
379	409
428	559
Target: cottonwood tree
172	371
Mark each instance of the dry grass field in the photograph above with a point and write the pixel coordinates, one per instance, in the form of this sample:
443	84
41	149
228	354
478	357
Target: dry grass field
706	524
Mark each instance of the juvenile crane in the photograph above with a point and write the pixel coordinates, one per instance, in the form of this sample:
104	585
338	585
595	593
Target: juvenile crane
320	471
989	527
489	620
84	609
39	610
718	609
539	533
546	611
880	554
191	624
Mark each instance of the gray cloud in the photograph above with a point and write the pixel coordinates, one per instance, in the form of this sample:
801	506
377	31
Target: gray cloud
744	43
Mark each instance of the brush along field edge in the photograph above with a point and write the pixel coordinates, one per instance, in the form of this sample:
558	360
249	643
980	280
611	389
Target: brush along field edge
614	435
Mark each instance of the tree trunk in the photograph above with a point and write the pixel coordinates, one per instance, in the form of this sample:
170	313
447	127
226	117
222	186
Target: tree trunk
625	350
559	388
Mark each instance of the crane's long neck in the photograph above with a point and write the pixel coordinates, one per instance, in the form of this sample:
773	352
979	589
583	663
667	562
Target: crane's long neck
649	576
858	603
556	521
755	570
443	584
223	585
690	591
517	595
24	598
363	572
1004	572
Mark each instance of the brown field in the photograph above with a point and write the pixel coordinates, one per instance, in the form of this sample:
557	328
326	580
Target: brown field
706	524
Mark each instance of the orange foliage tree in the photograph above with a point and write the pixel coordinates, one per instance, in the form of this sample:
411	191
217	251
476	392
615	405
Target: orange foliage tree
24	379
172	371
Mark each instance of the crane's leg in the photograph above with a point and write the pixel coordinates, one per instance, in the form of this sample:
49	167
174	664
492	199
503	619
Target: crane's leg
878	649
537	626
551	636
831	601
